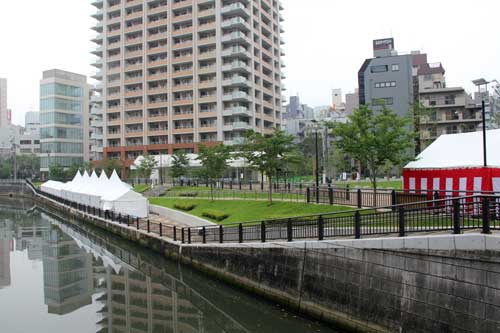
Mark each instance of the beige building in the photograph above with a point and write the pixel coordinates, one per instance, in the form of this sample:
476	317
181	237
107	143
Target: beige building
176	73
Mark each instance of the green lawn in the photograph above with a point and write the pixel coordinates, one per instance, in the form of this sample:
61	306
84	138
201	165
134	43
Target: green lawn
392	184
243	211
140	188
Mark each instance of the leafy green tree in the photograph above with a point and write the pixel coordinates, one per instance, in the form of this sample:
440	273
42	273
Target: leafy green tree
5	168
375	139
180	164
147	165
214	161
28	166
109	165
268	154
56	172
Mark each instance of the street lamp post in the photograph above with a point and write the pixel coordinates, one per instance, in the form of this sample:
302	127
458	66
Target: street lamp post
316	150
478	83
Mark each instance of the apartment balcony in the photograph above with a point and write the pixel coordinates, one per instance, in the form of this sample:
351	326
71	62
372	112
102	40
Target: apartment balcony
134	28
158	76
183	130
133	41
182	73
133	106
158	63
236	52
207	55
98	86
235	9
98	14
207	84
180	18
97	76
182	4
238	81
183	45
96	136
238	111
181	59
132	80
209	128
96	111
237	126
97	63
159	9
113	135
207	26
96	149
132	3
207	69
236	37
235	22
183	31
96	123
97	3
234	141
236	96
206	12
158	104
237	66
98	39
208	99
207	41
135	15
182	101
98	51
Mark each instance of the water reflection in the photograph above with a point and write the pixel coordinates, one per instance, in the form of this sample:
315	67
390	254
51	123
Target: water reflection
92	276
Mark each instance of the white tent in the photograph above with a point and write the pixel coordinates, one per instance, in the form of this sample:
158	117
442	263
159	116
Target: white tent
119	197
52	187
101	192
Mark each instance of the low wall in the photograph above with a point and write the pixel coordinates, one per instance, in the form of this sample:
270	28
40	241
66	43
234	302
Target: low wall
14	189
429	284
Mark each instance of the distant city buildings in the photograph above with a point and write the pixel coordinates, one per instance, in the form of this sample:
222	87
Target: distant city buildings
64	119
351	102
29	141
5	113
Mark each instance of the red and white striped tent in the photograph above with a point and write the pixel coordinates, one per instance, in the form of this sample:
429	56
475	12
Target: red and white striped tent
453	165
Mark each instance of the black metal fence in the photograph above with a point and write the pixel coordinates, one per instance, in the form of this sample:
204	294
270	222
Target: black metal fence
455	214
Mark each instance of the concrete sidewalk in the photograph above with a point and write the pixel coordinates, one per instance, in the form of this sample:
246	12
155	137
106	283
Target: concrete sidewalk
176	218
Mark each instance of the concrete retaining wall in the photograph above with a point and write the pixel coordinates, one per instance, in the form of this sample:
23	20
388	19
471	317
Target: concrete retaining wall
368	289
14	189
356	285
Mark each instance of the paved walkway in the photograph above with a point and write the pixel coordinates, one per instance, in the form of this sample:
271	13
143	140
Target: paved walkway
171	217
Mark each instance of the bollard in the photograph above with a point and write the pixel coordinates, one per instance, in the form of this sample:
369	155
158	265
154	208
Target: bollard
161	229
321	228
189	235
289	230
401	221
240	233
486	216
330	195
182	235
149	227
175	233
204	235
456	216
221	234
263	232
357	225
360	203
308	195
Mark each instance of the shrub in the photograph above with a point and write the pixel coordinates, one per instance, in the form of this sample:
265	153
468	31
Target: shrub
188	194
186	206
215	215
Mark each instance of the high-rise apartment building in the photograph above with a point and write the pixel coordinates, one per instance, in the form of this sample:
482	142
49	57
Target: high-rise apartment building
4	112
176	73
64	119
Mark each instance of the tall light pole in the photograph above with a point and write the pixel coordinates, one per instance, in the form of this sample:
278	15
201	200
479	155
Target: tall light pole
316	150
478	83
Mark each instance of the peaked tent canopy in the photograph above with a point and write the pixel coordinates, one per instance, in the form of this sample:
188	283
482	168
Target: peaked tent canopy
453	164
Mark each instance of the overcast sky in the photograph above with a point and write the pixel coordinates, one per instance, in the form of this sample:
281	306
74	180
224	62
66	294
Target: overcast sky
326	42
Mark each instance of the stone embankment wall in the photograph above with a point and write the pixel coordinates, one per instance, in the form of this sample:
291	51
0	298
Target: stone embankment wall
368	289
14	189
423	284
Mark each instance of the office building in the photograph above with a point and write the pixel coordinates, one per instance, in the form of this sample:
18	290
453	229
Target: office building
386	79
29	140
64	119
174	74
337	101
96	127
351	102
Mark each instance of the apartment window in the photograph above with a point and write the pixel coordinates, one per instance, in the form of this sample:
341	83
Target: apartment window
379	69
395	67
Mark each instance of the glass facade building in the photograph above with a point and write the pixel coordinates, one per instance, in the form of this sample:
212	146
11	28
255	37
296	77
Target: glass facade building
64	103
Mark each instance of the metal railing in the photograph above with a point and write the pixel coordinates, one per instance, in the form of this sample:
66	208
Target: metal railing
455	214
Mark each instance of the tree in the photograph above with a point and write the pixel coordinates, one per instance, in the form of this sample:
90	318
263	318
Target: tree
214	161
56	172
146	166
268	154
180	164
108	165
28	166
375	139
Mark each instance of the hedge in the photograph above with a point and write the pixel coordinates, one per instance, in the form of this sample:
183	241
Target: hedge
185	206
215	215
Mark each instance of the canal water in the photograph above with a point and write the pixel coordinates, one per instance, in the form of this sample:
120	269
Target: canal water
60	277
